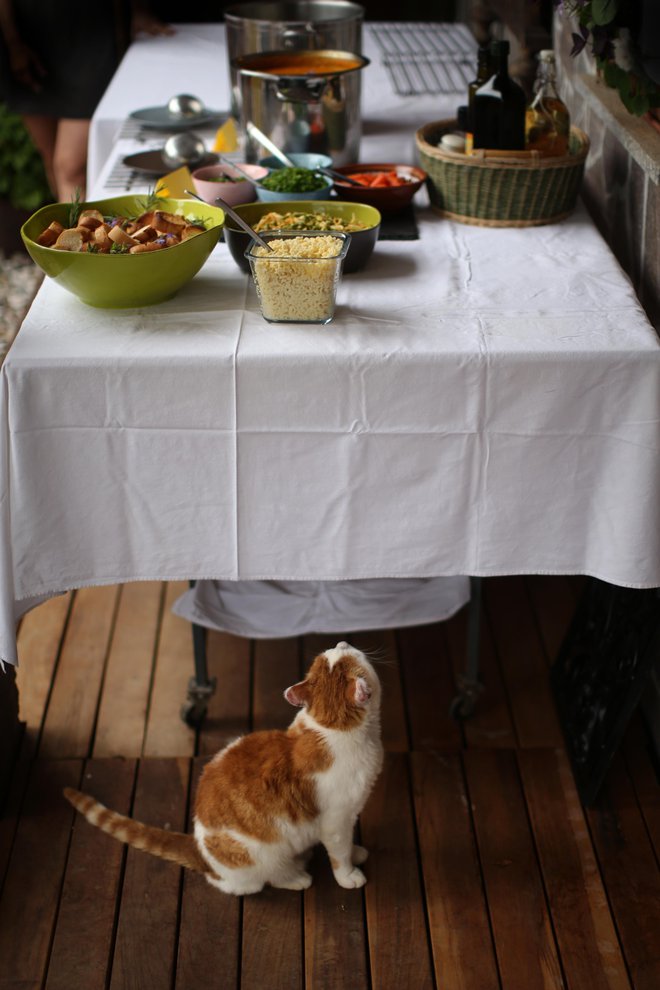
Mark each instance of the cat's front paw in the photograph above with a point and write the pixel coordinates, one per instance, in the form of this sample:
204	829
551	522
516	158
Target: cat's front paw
355	878
359	855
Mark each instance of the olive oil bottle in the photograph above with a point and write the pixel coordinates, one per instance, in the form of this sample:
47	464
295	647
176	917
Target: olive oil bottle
547	121
499	106
483	75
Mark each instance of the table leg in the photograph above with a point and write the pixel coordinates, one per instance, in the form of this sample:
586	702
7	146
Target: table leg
11	729
200	686
469	684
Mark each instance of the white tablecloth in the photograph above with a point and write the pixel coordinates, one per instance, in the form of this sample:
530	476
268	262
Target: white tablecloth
485	402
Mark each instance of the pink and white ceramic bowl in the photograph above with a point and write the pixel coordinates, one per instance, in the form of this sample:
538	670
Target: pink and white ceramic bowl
209	184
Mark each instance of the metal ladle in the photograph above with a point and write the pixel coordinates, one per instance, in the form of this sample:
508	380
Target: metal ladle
185	106
183	149
235	216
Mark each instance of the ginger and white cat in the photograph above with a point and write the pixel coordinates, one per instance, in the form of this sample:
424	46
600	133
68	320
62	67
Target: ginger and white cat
265	799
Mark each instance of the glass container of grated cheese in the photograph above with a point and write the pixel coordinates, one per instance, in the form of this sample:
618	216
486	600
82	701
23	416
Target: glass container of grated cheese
297	281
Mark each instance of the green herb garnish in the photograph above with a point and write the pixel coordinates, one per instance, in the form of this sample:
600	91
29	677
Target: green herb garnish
197	221
74	209
153	200
293	180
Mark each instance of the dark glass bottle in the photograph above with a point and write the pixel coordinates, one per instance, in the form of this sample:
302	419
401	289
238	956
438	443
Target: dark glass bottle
483	75
499	106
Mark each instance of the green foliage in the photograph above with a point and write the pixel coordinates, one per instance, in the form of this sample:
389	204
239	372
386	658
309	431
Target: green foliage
610	30
637	93
604	11
22	177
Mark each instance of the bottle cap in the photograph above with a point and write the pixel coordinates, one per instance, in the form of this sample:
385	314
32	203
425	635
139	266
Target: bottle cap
499	47
546	55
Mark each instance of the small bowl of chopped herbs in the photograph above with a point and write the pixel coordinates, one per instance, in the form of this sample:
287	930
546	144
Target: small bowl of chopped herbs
212	181
293	183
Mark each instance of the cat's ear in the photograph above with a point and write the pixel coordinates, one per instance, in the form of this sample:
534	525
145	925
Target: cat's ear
298	694
362	691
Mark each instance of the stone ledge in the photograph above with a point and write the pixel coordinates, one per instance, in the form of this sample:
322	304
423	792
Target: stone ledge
637	136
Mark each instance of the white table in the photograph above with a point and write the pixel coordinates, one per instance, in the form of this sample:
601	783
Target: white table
486	402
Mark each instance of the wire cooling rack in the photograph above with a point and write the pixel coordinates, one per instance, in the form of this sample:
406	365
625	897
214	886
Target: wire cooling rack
431	58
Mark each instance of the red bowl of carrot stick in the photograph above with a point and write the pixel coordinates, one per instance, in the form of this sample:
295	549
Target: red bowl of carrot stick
387	186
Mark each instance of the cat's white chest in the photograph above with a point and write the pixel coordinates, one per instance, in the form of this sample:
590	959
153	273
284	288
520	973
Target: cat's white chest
357	760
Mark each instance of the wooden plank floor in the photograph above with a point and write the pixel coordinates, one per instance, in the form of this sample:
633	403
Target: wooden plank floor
485	872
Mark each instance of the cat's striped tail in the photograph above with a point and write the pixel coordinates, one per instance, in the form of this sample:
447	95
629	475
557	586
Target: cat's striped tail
178	847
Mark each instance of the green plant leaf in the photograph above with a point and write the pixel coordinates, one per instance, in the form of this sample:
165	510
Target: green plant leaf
22	176
637	94
604	11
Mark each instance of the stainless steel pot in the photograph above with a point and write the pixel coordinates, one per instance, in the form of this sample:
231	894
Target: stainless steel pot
295	24
303	101
271	26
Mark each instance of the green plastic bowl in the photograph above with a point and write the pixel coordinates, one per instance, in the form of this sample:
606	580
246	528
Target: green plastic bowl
119	281
362	241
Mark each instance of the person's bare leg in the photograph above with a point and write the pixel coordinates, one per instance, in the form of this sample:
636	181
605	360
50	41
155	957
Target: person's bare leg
43	131
70	159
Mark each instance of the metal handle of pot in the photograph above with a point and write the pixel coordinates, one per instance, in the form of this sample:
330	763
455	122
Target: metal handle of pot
300	37
301	90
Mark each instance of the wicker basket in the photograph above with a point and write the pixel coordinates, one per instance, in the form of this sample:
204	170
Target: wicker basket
510	189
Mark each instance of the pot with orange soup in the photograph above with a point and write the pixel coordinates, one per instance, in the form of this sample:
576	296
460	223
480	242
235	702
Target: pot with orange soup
304	101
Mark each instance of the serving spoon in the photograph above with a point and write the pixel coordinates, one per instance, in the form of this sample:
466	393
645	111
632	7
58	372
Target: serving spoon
259	136
262	138
237	168
235	216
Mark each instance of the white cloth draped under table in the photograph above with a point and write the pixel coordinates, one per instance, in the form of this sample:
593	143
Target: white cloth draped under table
485	402
271	609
